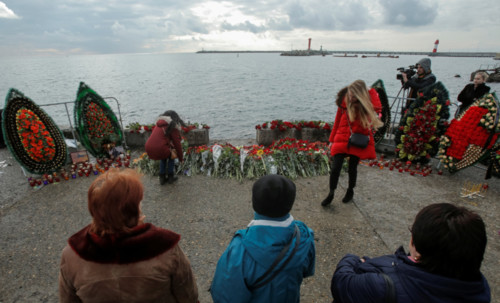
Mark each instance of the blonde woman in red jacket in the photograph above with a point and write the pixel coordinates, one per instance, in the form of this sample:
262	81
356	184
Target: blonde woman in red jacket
360	106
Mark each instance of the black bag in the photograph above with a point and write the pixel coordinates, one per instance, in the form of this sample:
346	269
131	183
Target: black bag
358	140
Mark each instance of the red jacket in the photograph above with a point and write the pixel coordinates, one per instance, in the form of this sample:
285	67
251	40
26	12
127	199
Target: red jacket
340	134
158	145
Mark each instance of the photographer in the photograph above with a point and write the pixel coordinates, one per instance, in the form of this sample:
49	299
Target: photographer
423	78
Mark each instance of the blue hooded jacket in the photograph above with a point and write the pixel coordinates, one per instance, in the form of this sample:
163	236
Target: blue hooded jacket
356	281
252	251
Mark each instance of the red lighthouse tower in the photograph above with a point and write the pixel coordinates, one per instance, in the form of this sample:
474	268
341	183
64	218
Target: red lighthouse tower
309	46
435	46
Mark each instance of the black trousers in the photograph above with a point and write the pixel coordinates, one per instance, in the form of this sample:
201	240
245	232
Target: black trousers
337	162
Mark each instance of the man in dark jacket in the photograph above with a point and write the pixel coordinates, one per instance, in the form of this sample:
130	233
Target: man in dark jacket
446	251
423	78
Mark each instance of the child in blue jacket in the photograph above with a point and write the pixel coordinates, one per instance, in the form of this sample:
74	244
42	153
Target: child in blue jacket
267	261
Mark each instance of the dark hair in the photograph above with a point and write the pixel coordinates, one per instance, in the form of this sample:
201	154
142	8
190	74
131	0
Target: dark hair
451	241
113	201
176	120
340	96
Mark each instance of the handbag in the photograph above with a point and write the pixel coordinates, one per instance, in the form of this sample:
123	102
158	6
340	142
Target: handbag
173	152
357	139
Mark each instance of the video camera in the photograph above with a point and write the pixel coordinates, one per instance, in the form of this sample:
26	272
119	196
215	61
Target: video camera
410	71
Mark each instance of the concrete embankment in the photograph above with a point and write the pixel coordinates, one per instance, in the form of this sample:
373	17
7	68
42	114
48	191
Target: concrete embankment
35	224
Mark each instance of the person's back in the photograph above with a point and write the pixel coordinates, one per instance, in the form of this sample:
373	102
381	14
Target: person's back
118	257
446	251
240	274
93	269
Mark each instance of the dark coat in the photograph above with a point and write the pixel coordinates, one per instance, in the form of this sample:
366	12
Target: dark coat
416	84
146	265
356	281
470	94
339	137
158	144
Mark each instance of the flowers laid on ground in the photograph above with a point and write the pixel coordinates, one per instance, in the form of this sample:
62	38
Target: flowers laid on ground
417	137
471	136
137	127
288	157
401	166
82	169
145	165
34	136
284	125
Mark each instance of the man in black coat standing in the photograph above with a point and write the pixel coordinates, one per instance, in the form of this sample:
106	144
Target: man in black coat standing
423	78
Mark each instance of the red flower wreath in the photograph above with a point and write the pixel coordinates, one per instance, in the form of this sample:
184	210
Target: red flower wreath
35	138
462	144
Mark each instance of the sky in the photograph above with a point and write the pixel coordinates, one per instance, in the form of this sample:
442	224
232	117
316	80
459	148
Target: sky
67	27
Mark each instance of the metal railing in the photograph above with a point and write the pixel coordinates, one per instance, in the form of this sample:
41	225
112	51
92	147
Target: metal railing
72	129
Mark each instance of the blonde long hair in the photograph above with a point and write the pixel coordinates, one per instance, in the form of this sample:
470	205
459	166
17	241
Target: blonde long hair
362	110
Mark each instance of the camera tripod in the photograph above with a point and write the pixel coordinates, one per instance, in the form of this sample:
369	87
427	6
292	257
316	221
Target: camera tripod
400	104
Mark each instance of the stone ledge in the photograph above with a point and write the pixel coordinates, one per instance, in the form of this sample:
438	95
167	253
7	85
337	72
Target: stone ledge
268	136
194	137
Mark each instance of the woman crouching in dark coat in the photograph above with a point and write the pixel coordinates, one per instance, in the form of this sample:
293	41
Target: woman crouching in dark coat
166	137
356	113
118	258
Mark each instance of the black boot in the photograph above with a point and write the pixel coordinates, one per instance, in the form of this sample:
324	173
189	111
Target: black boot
348	195
171	178
328	199
163	179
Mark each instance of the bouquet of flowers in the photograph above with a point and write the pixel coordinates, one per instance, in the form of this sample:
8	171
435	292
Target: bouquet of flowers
288	157
417	137
145	165
189	127
136	127
284	125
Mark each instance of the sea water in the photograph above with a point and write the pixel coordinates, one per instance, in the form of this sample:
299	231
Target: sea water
230	92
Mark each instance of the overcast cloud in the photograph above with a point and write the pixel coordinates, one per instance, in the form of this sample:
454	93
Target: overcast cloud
63	27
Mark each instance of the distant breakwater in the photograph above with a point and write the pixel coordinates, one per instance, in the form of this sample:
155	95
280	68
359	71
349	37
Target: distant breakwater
359	52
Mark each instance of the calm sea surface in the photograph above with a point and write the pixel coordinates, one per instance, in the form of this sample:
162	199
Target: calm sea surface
229	92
